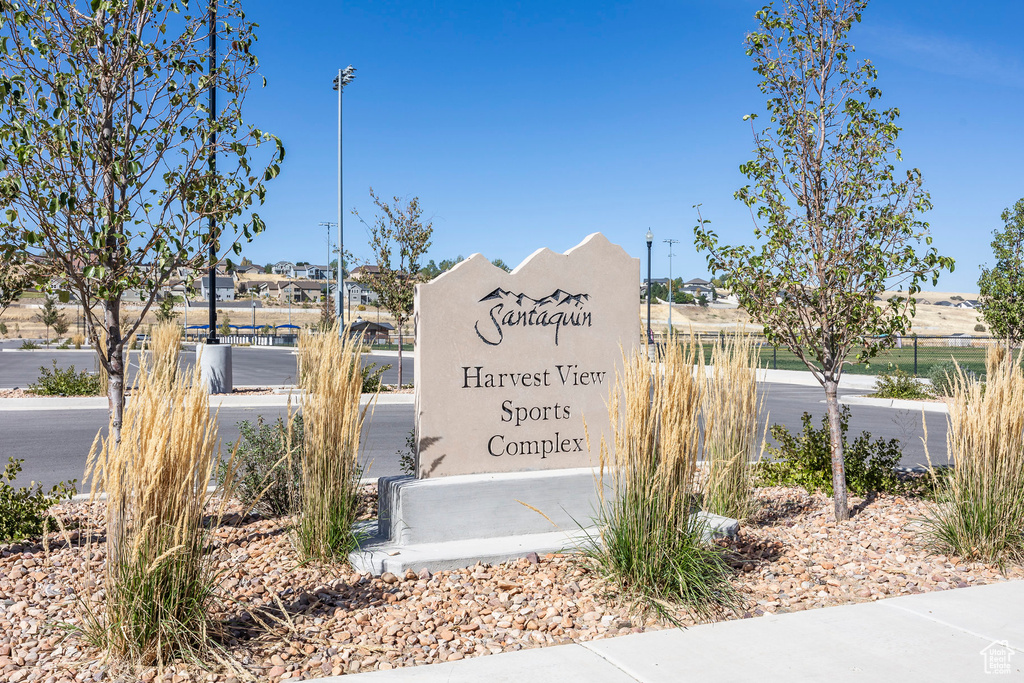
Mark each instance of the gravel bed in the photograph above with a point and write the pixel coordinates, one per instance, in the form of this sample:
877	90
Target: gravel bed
291	621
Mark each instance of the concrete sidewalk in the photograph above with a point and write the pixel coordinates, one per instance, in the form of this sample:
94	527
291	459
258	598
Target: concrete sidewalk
968	634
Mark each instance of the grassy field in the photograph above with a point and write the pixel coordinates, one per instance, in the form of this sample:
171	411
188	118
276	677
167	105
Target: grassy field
969	358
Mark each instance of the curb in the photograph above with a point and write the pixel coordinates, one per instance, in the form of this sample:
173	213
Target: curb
43	403
897	403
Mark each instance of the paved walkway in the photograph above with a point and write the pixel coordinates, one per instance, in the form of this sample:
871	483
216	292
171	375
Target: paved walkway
968	634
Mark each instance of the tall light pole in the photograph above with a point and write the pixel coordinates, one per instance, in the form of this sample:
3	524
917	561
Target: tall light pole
328	224
650	239
343	78
211	337
671	330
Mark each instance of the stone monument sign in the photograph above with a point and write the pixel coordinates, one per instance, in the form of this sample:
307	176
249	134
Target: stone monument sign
508	365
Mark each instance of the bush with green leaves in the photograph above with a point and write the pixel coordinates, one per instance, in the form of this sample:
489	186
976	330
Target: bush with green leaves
28	345
943	376
69	382
3	329
371	377
265	477
895	383
23	510
806	459
407	455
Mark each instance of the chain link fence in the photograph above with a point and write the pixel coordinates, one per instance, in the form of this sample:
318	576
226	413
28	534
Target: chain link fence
915	355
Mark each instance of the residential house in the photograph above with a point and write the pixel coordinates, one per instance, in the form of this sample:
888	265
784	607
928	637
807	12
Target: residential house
299	272
299	291
944	303
697	287
359	294
318	272
246	270
282	268
224	288
969	303
364	273
654	281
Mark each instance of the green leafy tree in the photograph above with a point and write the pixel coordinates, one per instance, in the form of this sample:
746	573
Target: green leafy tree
50	316
835	223
15	276
105	149
501	264
1002	286
432	270
399	238
165	311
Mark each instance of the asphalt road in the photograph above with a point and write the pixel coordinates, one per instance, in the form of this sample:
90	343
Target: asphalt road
55	444
249	366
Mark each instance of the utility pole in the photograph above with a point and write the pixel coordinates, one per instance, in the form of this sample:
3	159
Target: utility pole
671	330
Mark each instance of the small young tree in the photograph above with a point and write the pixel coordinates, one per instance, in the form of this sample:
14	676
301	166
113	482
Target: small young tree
108	148
1002	286
836	225
50	316
397	228
165	312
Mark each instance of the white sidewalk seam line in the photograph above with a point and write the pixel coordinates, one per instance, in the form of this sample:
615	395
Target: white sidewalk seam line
986	638
586	646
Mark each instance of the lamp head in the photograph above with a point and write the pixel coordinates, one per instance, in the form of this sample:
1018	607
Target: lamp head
650	237
345	76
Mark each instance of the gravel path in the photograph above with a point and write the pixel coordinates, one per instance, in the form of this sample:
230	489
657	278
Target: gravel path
286	621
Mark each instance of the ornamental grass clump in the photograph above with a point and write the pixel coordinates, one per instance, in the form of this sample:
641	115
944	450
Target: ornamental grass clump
731	410
650	544
165	346
160	578
979	508
332	382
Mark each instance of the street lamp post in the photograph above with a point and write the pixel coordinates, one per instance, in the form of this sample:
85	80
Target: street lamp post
650	239
671	330
328	224
343	78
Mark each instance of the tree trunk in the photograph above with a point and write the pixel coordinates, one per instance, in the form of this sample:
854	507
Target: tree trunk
842	509
399	388
115	364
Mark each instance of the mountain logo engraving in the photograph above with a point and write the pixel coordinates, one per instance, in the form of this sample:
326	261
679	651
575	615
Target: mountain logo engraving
508	310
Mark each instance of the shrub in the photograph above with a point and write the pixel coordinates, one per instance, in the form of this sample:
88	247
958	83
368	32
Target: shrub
895	383
979	509
332	381
28	345
361	307
407	455
942	376
64	345
69	382
371	377
979	328
731	408
268	472
23	510
3	329
78	340
806	460
161	568
650	545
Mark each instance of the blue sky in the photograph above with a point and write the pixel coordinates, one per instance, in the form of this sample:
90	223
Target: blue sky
532	124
